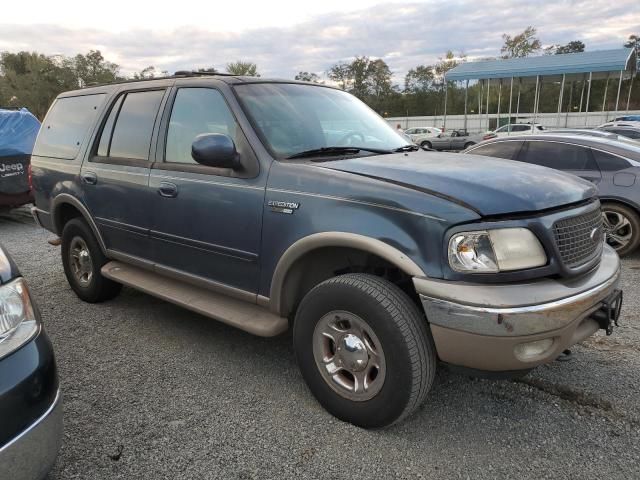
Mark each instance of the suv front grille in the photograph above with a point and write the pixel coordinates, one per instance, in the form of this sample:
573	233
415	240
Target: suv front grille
575	240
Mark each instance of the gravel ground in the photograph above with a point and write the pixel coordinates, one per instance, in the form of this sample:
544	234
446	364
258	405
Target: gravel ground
152	391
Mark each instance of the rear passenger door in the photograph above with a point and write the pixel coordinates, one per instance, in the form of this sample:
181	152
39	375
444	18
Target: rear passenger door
571	158
115	177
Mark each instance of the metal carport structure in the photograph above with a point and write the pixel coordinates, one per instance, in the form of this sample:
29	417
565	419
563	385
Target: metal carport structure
555	68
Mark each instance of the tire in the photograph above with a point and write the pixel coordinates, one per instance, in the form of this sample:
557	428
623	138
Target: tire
622	226
468	144
426	144
396	329
84	276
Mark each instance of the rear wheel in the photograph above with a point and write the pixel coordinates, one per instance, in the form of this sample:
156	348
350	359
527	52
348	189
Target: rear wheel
468	144
426	144
364	349
622	227
82	260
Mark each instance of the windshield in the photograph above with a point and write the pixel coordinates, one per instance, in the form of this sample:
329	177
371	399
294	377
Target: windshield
293	118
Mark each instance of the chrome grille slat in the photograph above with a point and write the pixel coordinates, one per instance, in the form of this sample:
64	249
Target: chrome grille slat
573	238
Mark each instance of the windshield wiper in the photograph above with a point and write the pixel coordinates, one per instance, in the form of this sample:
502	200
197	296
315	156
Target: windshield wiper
314	152
410	147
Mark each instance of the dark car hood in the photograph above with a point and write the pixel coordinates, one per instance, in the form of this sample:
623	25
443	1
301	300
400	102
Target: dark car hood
486	185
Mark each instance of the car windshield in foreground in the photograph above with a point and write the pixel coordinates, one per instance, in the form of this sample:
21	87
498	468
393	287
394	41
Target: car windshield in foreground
296	121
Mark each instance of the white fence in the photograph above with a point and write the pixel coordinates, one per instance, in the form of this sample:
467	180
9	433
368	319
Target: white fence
479	123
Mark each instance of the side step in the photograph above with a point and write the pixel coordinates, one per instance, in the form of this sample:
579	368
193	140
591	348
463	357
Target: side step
245	316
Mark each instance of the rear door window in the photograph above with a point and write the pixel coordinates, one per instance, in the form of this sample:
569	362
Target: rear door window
133	128
561	156
66	126
610	163
506	150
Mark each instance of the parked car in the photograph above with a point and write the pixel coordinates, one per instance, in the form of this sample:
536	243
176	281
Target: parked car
632	124
612	165
18	130
30	405
624	131
628	118
222	195
518	129
454	140
420	134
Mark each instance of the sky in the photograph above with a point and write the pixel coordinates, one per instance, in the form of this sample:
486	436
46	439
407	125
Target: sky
285	37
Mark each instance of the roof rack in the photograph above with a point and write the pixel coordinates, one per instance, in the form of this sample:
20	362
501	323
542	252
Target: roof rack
194	73
178	74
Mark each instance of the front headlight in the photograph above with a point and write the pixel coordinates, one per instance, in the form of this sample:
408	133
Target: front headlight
491	251
18	322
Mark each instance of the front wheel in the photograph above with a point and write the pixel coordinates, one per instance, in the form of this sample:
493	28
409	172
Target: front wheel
468	144
364	350
622	227
426	145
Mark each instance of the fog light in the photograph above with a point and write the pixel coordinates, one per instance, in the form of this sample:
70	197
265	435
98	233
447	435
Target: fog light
529	350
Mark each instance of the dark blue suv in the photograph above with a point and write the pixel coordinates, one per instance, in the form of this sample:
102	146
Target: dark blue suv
273	204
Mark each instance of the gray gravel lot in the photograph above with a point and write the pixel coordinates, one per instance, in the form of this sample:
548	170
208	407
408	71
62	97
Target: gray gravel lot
152	391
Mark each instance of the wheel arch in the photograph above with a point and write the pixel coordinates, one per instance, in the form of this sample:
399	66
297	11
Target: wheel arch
621	201
330	249
64	207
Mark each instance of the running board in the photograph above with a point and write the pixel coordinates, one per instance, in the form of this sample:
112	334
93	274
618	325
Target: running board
249	317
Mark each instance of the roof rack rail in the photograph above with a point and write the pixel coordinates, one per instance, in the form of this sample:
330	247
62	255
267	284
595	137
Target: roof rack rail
194	73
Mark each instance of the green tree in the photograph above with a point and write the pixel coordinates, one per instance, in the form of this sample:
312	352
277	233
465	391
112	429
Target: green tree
308	77
419	79
340	73
521	45
574	46
92	68
145	73
240	68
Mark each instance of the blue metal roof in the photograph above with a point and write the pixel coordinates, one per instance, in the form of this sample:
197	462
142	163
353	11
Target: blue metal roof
545	65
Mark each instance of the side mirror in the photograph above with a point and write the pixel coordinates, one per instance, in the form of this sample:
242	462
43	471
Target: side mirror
215	150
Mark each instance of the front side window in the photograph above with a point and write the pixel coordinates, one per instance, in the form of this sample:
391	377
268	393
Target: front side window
196	111
558	155
293	118
134	125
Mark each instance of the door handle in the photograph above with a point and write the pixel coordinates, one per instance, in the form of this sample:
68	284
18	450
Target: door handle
90	178
169	190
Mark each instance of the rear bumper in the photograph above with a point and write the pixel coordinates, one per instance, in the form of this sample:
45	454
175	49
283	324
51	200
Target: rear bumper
15	200
484	327
30	455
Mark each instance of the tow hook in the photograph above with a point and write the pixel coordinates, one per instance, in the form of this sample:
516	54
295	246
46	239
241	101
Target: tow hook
608	314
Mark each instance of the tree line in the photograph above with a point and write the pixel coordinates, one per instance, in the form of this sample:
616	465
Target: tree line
33	80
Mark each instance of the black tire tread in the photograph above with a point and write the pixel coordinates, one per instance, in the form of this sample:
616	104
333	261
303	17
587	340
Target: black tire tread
412	325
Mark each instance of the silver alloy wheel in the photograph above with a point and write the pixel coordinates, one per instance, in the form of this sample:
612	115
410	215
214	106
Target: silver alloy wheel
618	228
80	261
349	355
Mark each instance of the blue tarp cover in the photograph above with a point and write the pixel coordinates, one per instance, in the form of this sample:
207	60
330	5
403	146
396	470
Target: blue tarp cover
18	131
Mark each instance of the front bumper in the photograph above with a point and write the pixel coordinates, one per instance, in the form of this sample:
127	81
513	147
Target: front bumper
483	326
30	455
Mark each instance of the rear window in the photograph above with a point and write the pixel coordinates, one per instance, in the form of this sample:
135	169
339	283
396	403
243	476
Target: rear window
506	150
610	163
66	126
558	155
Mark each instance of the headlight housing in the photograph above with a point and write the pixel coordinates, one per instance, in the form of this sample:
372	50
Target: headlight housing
18	320
495	250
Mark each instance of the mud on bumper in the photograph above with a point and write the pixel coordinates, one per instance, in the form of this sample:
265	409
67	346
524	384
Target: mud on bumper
516	326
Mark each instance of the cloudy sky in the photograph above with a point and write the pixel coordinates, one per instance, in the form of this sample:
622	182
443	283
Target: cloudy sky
284	37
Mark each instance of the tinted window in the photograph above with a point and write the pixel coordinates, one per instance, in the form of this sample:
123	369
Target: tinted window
626	133
196	111
134	126
557	155
520	128
506	150
103	147
66	125
608	162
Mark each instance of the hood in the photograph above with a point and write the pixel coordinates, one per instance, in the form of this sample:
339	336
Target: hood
487	186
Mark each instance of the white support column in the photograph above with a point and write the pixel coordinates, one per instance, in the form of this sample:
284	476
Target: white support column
606	87
487	112
446	91
586	108
518	105
584	80
480	95
570	107
535	101
630	87
510	102
466	95
560	97
499	98
618	95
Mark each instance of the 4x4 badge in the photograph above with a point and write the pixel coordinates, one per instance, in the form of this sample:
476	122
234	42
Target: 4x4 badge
283	207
